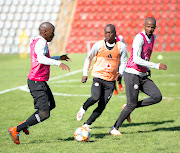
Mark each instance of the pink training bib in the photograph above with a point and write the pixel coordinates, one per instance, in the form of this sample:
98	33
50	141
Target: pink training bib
38	72
145	54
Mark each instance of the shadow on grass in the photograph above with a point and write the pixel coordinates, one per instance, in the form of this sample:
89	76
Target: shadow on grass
71	139
176	128
145	123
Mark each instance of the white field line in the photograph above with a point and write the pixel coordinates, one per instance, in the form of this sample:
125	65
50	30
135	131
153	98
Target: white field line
25	88
51	79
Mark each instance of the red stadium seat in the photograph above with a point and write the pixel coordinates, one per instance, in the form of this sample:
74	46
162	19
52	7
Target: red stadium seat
172	15
160	40
171	23
163	23
159	48
177	30
168	48
170	30
178	14
177	39
165	7
176	48
169	39
157	15
142	8
162	31
164	15
178	22
172	7
157	8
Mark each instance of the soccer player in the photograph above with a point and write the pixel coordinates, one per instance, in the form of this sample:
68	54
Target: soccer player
119	38
137	72
39	74
109	54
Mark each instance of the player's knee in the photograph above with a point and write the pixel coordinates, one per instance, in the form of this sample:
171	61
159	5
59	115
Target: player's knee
44	115
157	98
131	107
95	98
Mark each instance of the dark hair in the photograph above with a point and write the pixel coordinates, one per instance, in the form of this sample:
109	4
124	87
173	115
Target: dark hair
111	25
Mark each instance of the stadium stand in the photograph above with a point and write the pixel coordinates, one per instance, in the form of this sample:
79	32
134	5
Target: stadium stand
25	16
128	16
80	21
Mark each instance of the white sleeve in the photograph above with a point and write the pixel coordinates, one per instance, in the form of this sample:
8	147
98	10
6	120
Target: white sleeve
41	50
121	38
123	54
137	49
91	55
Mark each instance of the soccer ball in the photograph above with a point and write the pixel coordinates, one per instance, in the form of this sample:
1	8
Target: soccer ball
82	134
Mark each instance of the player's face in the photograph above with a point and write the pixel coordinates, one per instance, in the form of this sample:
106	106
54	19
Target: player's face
50	34
149	28
109	35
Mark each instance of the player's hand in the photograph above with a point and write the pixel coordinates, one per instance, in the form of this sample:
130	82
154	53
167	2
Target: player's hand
65	57
149	73
64	67
162	66
84	79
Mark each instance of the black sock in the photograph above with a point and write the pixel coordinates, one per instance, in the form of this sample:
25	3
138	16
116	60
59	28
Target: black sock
29	122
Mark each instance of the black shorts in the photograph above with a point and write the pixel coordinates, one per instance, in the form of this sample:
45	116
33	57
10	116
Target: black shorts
42	95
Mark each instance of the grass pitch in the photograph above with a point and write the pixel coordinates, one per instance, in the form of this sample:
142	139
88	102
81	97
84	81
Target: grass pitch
153	129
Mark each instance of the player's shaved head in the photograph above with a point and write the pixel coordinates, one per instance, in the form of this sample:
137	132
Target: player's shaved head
46	30
45	26
149	26
150	20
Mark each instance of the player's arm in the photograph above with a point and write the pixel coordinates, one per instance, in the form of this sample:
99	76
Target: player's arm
123	58
62	57
42	59
137	49
87	63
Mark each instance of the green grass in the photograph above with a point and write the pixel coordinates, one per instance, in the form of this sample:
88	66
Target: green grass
153	129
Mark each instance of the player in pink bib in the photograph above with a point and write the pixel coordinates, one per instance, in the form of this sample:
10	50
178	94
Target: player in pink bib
137	72
40	70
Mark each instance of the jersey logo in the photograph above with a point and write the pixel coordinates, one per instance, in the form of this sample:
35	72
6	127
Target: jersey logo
109	56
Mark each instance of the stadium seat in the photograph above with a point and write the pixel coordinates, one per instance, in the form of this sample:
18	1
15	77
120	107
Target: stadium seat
7	49
172	15
170	30
177	30
171	23
169	39
178	22
172	7
168	48
159	48
176	48
164	7
164	15
177	39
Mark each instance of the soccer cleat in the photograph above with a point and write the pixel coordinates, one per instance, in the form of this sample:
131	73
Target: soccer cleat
113	131
115	92
14	134
120	88
26	130
87	127
80	114
128	118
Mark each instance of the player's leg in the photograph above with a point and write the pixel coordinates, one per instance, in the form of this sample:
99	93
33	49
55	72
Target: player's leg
95	96
149	88
39	91
115	90
132	92
120	84
106	93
